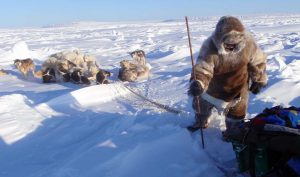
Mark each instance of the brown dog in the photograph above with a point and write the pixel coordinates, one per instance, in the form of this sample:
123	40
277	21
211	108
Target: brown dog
2	72
133	72
24	66
128	71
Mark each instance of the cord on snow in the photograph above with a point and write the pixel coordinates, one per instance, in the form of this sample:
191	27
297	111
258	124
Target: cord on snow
162	106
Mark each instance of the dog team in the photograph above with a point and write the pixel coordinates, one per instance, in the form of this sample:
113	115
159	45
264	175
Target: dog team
73	66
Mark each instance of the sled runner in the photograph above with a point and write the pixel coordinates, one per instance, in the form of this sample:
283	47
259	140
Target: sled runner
269	144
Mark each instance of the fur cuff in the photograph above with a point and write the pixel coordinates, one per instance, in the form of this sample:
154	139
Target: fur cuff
201	83
218	103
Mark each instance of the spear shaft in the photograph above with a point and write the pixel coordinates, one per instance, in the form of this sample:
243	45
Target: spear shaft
194	76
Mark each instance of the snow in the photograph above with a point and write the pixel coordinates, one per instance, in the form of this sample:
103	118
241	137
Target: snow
62	129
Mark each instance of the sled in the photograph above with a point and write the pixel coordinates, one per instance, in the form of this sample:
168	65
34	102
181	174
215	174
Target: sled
269	144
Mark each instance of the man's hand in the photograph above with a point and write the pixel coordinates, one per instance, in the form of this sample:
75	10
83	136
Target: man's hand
196	88
256	87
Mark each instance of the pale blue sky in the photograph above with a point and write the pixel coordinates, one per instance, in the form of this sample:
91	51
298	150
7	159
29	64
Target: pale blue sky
24	13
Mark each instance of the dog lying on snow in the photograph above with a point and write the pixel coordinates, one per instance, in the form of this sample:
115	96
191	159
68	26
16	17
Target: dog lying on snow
77	77
25	66
86	62
60	70
71	65
91	69
101	77
134	70
49	75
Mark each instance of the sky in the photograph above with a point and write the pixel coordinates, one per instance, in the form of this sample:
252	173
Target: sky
26	13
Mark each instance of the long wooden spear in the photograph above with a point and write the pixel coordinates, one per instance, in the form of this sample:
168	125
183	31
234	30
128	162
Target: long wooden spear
194	76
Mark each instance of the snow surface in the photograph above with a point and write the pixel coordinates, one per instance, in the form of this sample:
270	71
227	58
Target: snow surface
67	130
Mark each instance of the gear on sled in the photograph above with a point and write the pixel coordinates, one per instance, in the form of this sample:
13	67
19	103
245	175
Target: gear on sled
269	144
